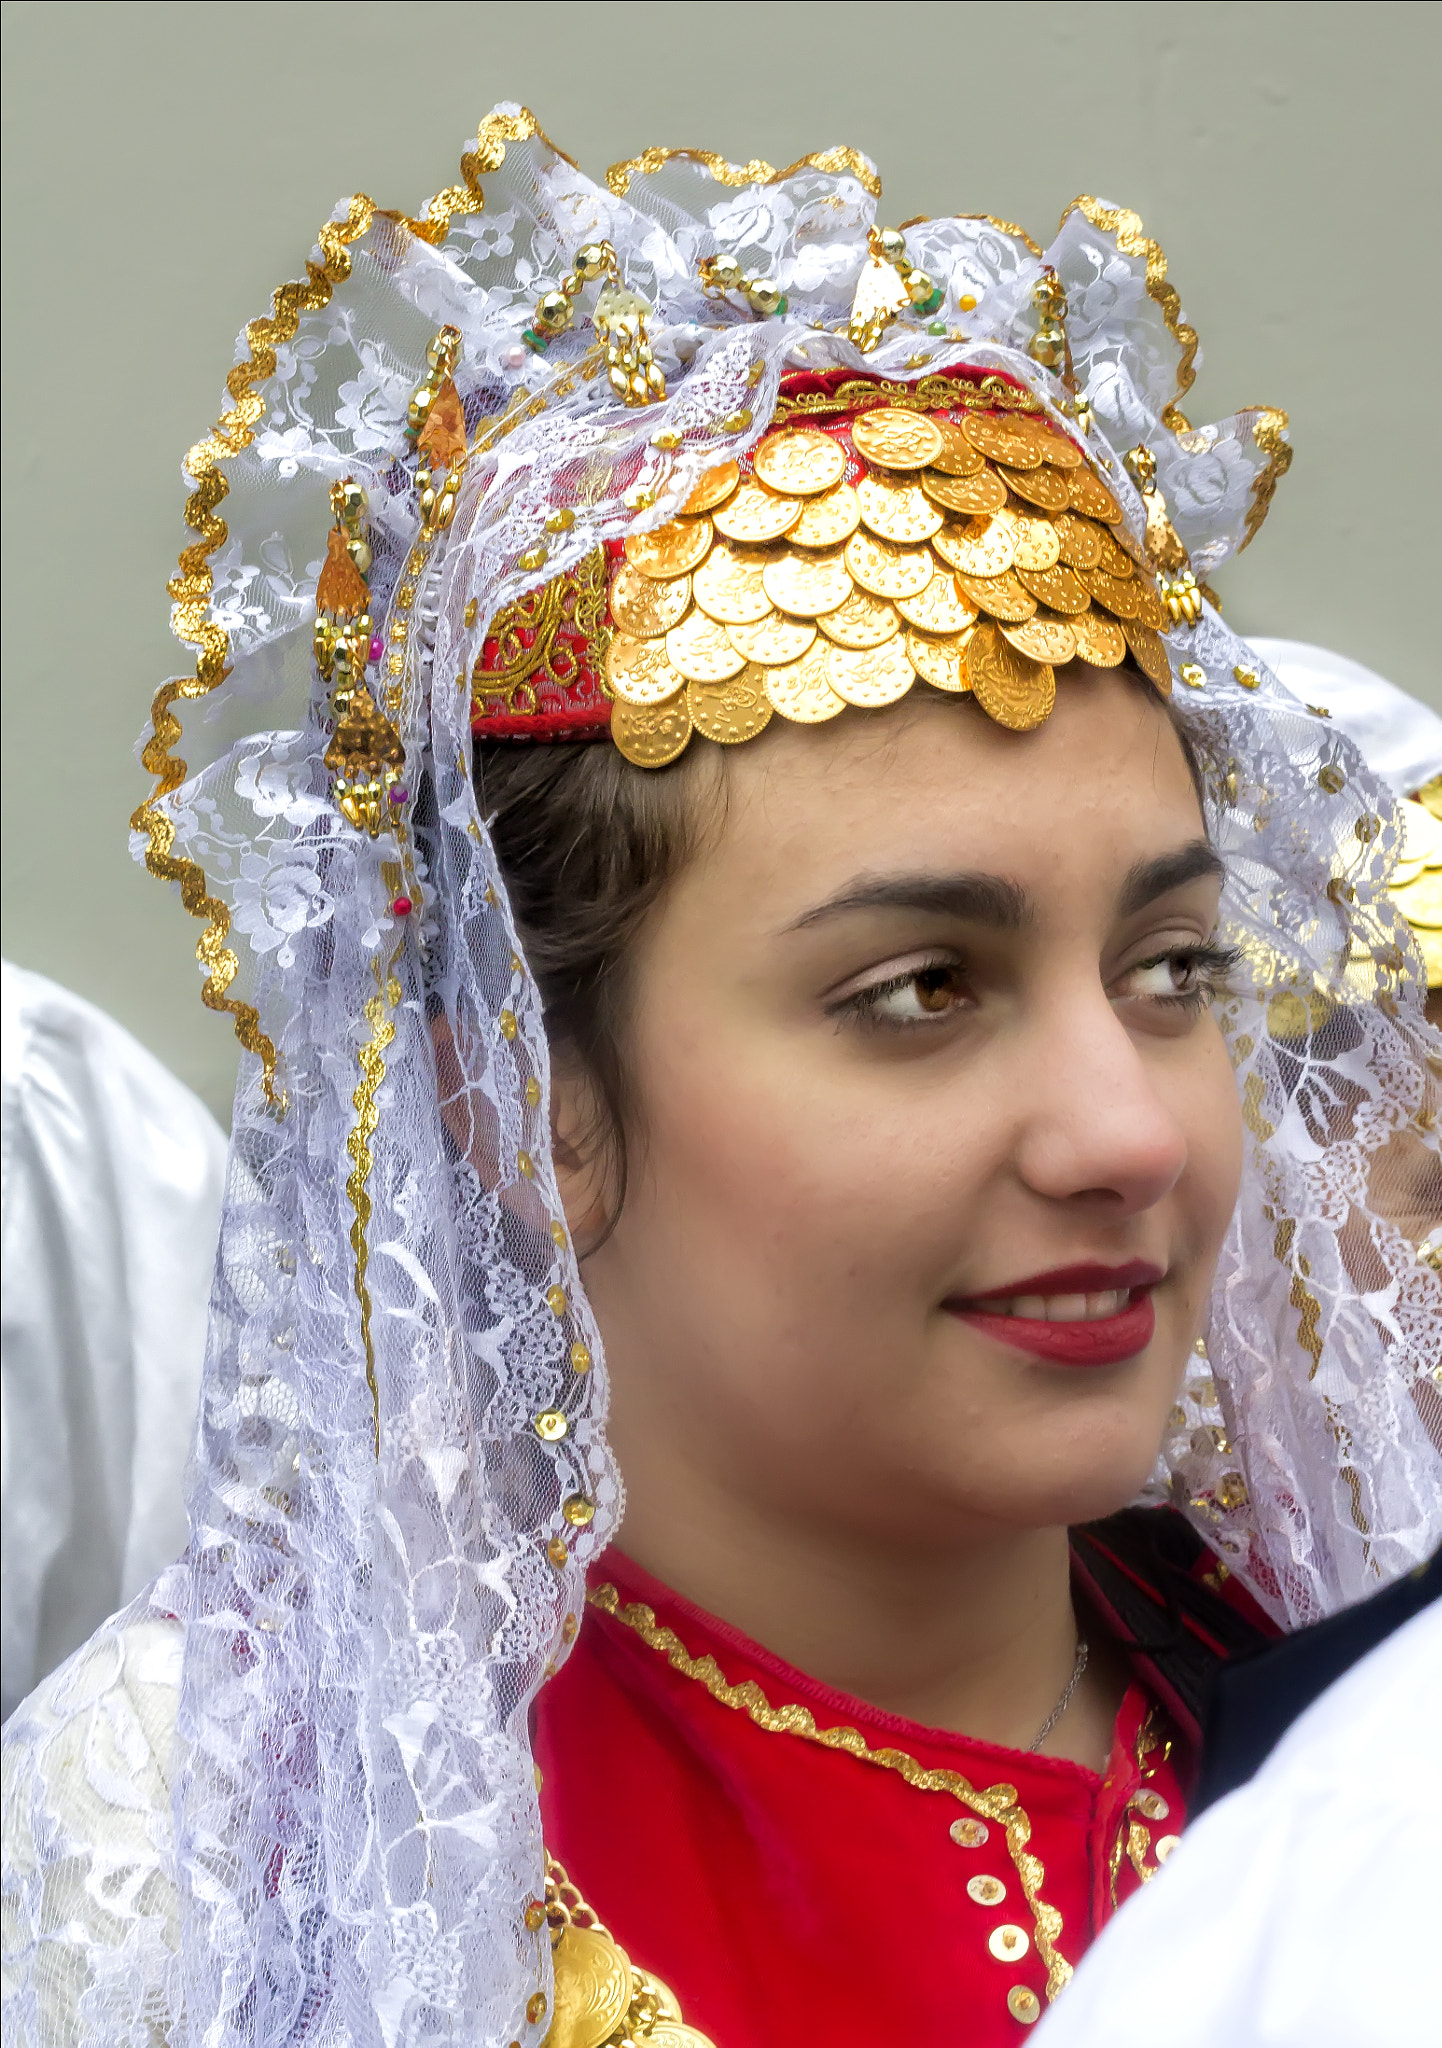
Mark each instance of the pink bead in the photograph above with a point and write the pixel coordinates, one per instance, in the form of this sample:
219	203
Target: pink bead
378	647
514	357
402	906
399	794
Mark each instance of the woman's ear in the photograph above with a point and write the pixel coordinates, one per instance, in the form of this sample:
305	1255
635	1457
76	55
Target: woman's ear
583	1159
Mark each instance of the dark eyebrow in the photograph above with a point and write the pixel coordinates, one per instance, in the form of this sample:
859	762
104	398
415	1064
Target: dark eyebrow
988	900
1149	879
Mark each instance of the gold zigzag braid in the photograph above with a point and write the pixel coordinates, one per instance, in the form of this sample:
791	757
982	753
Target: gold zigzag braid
1269	431
1133	240
837	162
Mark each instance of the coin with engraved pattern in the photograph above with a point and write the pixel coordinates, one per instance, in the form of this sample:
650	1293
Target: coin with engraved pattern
863	621
896	439
1099	640
897	511
1016	692
732	711
1002	597
1002	440
827	521
1120	594
1149	654
1035	542
1044	638
979	547
699	650
676	2034
644	607
651	734
1081	543
940	659
713	488
1040	486
639	672
1060	588
774	640
1152	607
937	609
593	1987
1115	560
886	569
670	550
870	676
1057	447
983	492
807	584
799	461
957	457
753	513
801	692
1090	495
728	587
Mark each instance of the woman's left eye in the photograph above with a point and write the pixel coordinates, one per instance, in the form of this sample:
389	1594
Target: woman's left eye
1184	975
925	995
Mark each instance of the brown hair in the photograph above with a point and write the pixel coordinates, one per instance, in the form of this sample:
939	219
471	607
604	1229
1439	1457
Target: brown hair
587	844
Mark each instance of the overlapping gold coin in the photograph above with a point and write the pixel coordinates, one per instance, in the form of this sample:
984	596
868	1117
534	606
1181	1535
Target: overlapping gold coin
976	554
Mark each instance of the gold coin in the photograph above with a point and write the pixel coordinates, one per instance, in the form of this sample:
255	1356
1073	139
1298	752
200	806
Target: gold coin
1115	560
1001	596
827	521
675	2034
713	488
1016	692
1149	654
799	462
807	584
1035	542
1152	606
983	492
732	711
1058	448
754	514
870	676
979	547
670	550
728	588
801	692
1120	594
885	569
644	607
897	511
593	1986
957	457
896	439
1099	640
699	650
774	640
940	659
1090	495
1044	639
1002	440
1060	588
639	672
1040	486
1081	541
651	734
863	621
937	609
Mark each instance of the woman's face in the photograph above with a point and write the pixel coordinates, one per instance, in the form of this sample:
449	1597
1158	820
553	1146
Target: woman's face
938	1137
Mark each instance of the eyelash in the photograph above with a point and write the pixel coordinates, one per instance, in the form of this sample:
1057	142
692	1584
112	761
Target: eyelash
1210	965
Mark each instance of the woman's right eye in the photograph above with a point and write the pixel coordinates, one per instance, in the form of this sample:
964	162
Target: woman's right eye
928	994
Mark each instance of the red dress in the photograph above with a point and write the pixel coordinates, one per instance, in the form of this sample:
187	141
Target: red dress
799	1866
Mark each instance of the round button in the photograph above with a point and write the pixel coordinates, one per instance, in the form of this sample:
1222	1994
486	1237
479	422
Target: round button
1165	1847
1008	1944
1151	1804
1023	2005
987	1891
969	1834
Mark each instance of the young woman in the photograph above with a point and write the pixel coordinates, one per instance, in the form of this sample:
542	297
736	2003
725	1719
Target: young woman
973	1100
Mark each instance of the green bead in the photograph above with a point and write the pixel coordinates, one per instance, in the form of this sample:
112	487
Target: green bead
540	343
937	327
780	306
930	305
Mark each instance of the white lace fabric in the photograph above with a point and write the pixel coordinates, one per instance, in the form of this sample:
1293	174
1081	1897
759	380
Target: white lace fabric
339	1844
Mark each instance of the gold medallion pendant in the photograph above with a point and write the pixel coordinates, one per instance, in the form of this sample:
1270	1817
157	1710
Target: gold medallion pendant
602	2000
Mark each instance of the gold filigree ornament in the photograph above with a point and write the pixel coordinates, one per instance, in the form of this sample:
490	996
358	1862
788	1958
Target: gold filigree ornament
1179	586
436	423
365	756
602	1998
890	284
619	320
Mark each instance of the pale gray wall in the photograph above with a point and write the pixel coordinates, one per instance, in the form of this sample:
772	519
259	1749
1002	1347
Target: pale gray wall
167	165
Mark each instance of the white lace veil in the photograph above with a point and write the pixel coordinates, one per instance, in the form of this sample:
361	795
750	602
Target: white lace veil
355	1824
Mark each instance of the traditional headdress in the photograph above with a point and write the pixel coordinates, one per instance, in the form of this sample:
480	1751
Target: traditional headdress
787	462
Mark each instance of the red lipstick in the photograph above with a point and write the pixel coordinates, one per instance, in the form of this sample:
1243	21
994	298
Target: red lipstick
1106	1341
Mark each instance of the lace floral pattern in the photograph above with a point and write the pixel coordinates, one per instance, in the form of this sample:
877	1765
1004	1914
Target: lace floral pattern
289	1795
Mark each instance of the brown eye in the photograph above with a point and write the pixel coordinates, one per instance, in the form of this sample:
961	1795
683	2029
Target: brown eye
935	989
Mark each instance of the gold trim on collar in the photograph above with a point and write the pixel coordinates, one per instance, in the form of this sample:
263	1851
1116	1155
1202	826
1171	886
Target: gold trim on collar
757	172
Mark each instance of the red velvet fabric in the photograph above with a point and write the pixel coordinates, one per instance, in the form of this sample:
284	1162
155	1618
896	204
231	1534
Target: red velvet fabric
790	1893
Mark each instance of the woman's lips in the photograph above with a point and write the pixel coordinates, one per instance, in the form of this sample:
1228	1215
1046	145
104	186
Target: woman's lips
1077	1315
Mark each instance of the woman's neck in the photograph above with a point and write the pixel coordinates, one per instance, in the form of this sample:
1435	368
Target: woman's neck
978	1639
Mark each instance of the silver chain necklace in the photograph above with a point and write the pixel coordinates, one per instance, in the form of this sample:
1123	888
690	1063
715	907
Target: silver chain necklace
1065	1701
